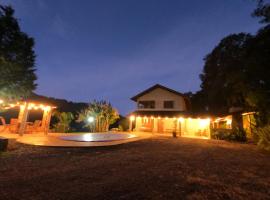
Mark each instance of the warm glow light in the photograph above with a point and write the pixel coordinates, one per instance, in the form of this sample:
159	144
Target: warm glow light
1	101
132	118
248	113
47	108
181	119
229	122
90	119
204	122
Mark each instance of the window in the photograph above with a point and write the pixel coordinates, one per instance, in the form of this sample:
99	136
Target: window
168	104
146	104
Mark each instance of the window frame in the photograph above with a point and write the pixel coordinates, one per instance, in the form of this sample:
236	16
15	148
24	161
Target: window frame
153	106
165	104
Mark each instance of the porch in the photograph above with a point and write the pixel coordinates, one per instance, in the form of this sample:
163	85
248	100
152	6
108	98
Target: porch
20	125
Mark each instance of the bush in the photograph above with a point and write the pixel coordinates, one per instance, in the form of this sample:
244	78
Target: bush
220	134
63	121
238	135
228	134
263	135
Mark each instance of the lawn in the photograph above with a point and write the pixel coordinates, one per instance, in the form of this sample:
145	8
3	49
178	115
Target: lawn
156	168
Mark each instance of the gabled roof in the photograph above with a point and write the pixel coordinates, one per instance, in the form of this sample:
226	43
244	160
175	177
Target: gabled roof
155	87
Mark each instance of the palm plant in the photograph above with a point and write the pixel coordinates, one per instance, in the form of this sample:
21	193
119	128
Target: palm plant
64	119
98	116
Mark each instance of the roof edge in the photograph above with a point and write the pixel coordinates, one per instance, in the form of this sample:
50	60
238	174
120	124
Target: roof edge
134	98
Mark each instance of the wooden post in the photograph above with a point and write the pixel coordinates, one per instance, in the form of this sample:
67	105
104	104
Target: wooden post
130	125
46	119
22	118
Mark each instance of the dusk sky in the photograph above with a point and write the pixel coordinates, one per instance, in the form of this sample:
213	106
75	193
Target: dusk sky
113	49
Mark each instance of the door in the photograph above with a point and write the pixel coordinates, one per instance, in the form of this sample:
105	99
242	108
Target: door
160	127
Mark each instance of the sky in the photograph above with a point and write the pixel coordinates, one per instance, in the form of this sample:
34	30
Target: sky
114	49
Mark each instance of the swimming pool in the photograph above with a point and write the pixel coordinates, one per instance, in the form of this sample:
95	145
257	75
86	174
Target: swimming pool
98	137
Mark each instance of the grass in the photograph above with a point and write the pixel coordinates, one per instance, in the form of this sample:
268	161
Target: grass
157	168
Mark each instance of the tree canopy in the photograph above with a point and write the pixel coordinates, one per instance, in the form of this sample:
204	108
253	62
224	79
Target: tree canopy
223	78
262	11
17	58
236	74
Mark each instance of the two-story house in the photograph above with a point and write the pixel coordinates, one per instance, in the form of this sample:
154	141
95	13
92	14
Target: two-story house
163	110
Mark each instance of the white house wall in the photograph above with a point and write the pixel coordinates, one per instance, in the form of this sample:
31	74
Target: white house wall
159	96
189	127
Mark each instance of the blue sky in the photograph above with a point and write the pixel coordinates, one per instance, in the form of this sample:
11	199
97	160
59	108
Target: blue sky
113	49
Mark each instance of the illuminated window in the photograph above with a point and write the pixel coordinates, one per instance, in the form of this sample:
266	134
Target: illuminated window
146	104
168	104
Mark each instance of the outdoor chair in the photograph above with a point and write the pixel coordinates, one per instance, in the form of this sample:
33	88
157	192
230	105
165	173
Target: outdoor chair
13	126
33	127
3	125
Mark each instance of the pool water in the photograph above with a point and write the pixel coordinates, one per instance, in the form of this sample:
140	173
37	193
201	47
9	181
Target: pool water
97	137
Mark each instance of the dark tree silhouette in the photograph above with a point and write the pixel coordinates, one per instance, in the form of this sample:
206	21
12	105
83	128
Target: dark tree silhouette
17	57
224	83
262	11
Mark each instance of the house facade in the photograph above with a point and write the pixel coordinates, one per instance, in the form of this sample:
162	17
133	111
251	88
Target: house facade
163	110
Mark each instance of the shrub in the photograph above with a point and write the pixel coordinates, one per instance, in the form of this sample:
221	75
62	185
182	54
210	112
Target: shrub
228	134
263	135
63	121
103	115
238	135
220	134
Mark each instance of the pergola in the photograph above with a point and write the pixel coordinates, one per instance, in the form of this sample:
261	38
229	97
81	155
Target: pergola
24	108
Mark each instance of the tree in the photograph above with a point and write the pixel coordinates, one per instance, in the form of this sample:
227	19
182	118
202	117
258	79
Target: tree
258	73
236	74
63	121
224	82
98	116
17	58
262	11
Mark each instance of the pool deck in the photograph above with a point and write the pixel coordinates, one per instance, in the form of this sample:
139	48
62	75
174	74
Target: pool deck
52	140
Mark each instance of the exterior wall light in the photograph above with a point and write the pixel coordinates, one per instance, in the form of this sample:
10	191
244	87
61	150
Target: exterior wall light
132	118
181	119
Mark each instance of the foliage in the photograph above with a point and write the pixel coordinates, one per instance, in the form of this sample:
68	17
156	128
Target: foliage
63	121
223	81
263	137
220	134
122	124
238	135
17	58
236	74
102	112
262	11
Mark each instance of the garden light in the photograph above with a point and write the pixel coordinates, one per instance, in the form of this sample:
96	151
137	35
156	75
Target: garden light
90	119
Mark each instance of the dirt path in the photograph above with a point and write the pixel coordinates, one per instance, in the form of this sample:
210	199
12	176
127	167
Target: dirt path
157	168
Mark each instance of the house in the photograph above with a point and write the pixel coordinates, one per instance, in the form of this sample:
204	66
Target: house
163	110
